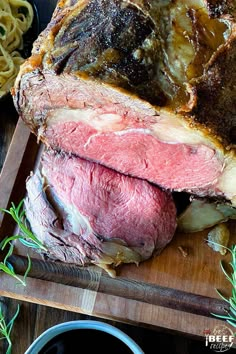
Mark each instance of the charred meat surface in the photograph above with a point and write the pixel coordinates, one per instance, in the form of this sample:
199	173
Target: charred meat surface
152	48
86	213
158	50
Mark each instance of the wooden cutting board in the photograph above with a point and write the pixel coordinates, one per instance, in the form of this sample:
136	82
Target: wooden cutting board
171	290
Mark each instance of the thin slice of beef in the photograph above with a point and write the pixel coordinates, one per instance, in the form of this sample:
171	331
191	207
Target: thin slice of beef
99	70
86	213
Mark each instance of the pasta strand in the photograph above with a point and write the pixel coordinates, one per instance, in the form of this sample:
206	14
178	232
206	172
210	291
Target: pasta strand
16	17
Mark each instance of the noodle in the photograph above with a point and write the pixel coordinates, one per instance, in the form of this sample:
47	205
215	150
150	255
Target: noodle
16	17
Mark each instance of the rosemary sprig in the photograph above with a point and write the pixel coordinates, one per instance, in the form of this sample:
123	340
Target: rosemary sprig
230	315
8	268
5	329
26	237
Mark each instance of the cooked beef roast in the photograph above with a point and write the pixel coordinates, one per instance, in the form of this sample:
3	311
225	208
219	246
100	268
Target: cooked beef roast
102	69
86	213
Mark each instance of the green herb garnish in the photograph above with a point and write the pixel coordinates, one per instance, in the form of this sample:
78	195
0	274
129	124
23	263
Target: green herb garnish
230	315
5	329
26	237
8	268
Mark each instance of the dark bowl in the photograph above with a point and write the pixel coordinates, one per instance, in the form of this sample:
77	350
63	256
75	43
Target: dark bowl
92	336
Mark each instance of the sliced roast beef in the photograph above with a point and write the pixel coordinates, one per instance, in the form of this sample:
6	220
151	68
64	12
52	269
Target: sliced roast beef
101	70
86	213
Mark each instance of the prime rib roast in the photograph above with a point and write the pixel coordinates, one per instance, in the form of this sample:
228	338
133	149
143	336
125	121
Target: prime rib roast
86	213
146	88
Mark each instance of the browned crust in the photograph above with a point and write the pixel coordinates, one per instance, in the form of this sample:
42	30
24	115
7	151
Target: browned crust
218	8
216	93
